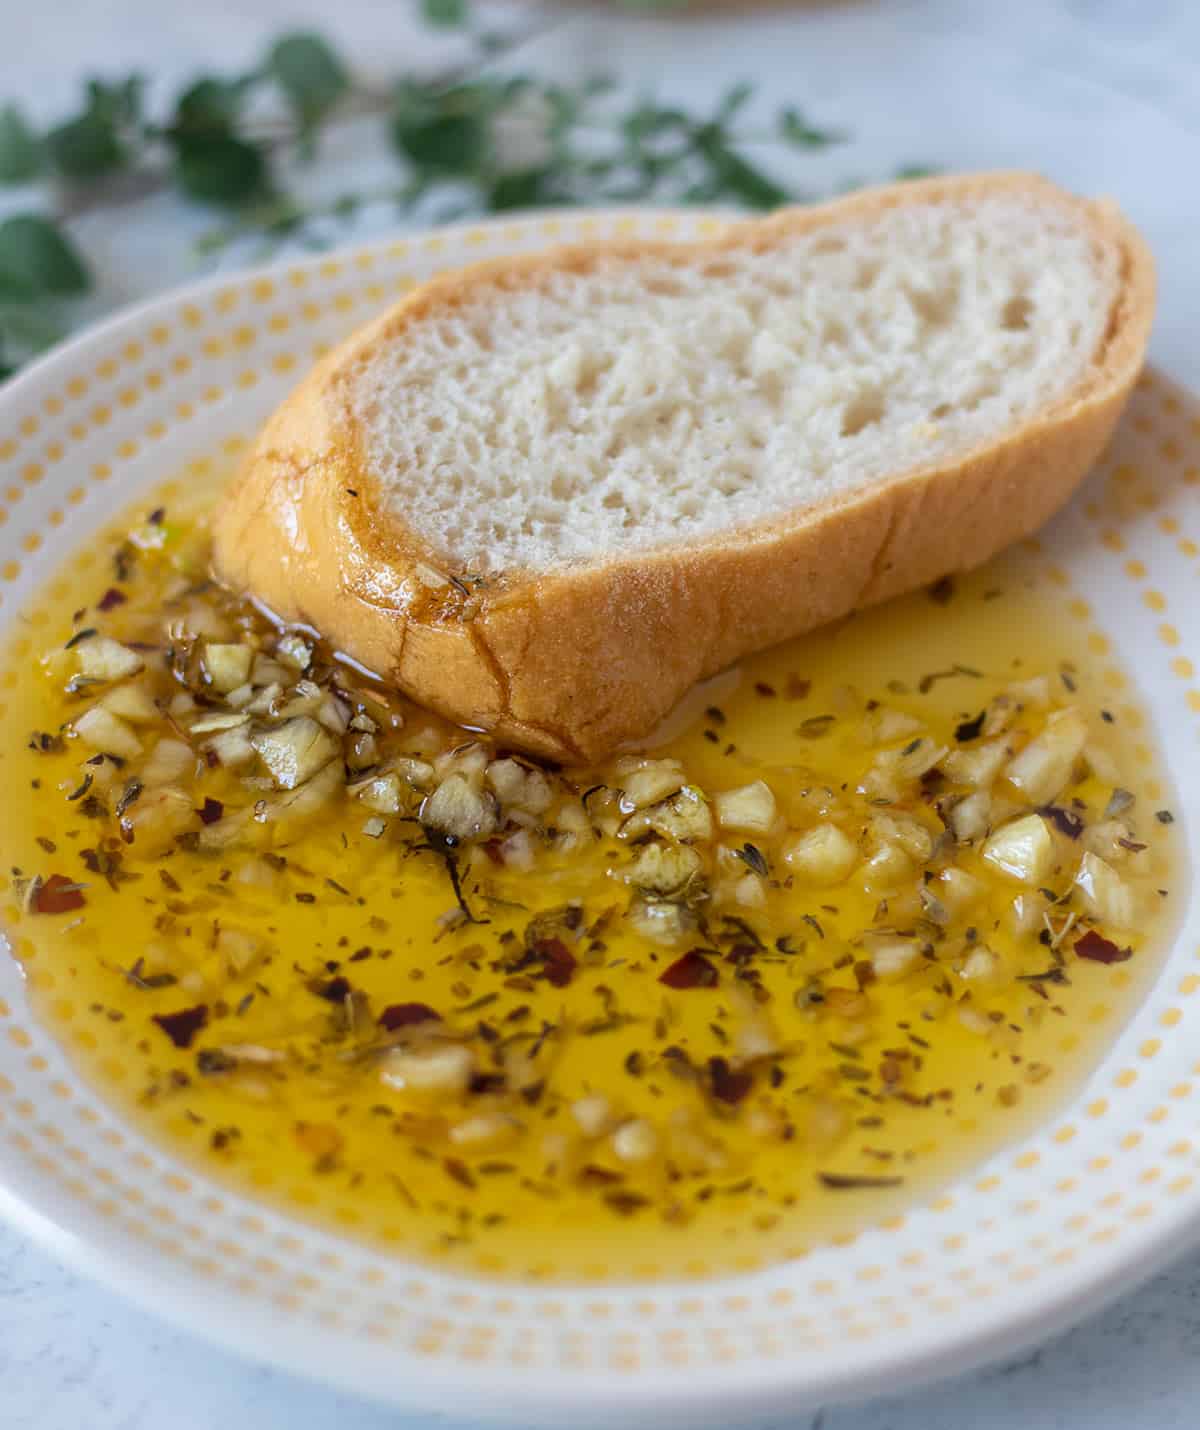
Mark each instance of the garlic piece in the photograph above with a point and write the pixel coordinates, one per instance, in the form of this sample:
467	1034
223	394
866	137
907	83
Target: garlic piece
886	868
980	965
895	958
634	1141
382	793
101	658
908	833
957	889
750	808
170	760
522	788
459	809
822	855
294	650
1025	913
484	1129
663	868
156	818
662	923
593	1115
977	766
685	817
969	818
295	750
228	666
232	747
1105	894
749	892
132	703
446	1068
101	730
1044	766
1023	850
648	782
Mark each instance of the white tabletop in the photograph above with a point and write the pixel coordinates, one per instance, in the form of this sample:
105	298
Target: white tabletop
1103	95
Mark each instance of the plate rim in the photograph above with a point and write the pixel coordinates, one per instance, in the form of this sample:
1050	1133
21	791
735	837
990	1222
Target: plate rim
548	1391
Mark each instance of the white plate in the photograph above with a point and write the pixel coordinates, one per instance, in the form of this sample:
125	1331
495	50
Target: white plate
1041	1234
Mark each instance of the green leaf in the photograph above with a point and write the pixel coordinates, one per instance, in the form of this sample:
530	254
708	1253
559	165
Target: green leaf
20	152
219	169
209	106
795	129
85	148
120	102
734	176
523	189
446	14
37	260
597	84
916	171
345	206
310	73
651	121
94	142
28	327
732	101
446	132
281	217
454	144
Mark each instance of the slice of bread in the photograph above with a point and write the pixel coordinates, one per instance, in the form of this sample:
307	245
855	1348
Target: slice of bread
544	495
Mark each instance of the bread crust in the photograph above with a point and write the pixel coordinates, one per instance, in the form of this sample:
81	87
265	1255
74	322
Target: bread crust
571	662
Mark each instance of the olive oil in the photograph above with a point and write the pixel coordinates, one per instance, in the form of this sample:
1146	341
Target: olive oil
635	1079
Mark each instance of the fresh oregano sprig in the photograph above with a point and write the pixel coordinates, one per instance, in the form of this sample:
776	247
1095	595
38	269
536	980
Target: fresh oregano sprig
470	142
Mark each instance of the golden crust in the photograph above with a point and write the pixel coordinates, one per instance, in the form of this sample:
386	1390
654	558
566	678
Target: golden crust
571	662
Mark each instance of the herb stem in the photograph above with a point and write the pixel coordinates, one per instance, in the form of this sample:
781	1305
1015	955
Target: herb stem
362	101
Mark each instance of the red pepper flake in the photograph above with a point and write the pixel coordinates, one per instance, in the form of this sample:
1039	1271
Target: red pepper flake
404	1015
183	1026
210	811
691	970
558	962
112	597
727	1084
57	895
492	849
1098	949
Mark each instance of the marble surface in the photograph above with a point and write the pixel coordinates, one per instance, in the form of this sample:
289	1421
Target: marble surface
1101	94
